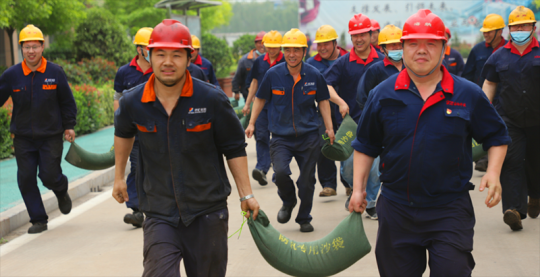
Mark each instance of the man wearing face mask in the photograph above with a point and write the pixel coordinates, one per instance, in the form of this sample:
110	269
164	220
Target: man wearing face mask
244	66
390	43
515	68
492	31
421	121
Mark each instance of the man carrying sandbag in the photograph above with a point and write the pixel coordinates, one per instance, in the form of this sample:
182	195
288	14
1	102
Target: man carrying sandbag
185	127
421	122
291	90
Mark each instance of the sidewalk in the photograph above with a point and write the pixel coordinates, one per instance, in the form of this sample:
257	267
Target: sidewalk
94	241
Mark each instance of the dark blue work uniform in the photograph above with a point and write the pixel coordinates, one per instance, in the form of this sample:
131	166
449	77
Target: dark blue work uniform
242	73
426	167
518	76
197	72
262	134
375	75
294	125
208	69
326	168
454	61
476	60
128	76
43	108
345	74
181	177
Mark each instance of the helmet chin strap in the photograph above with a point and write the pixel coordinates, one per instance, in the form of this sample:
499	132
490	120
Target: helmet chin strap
303	51
386	53
433	70
494	37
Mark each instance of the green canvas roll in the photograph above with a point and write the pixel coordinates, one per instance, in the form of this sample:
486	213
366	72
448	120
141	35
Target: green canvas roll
477	151
91	161
341	150
340	249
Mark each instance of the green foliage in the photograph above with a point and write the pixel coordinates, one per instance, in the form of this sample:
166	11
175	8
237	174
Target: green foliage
57	52
217	51
102	35
6	143
94	108
136	14
216	16
100	70
243	45
257	16
2	69
75	73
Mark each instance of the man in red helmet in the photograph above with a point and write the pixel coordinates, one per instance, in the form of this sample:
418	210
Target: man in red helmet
185	127
375	30
453	60
421	122
244	67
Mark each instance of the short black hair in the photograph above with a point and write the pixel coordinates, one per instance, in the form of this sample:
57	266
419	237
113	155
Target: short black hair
22	42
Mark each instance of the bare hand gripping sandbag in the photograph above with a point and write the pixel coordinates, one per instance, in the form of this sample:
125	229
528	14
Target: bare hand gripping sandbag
91	161
341	150
340	249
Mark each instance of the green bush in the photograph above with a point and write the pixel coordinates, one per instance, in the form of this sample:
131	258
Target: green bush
2	69
75	73
100	70
242	45
102	35
56	52
6	143
94	107
217	51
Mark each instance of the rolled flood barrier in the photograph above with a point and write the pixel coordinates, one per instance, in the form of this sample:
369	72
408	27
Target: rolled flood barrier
340	249
341	150
81	158
477	151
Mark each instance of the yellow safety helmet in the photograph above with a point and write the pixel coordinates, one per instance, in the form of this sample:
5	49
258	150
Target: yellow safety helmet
492	22
325	33
521	15
196	43
30	32
142	37
272	39
294	38
390	34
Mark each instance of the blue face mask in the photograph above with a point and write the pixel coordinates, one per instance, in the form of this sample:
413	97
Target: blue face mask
395	55
521	37
147	57
258	53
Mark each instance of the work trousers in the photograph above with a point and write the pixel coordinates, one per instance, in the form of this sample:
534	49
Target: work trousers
262	139
131	182
520	175
45	154
202	245
305	149
405	233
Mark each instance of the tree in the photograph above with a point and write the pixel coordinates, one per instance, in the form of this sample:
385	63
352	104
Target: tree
242	45
258	16
136	14
51	16
218	53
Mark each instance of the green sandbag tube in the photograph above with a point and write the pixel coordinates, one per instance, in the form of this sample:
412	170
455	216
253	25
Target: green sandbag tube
341	150
340	249
477	151
81	158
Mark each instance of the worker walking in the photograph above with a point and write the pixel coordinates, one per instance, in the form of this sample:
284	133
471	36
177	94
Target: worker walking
328	52
201	62
291	90
421	122
515	69
44	111
185	127
452	57
375	31
245	64
273	57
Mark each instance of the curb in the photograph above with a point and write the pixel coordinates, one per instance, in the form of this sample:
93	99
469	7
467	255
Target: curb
18	216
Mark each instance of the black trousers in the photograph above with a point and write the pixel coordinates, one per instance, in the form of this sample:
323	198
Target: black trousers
520	175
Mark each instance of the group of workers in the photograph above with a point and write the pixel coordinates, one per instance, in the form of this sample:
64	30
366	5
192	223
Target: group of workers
416	120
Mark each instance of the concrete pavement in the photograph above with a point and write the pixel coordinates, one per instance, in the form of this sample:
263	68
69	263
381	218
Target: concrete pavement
94	241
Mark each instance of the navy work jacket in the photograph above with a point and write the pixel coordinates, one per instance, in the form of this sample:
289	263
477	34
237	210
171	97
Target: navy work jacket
321	64
426	147
43	104
242	72
345	74
291	103
130	75
261	66
208	69
476	60
518	76
181	173
454	61
377	73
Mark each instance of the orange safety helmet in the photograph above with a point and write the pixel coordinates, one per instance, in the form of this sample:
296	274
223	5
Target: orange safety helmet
358	24
424	25
260	36
170	33
375	25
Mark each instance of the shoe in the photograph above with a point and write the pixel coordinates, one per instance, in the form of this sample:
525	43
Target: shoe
328	192
347	202
37	228
372	213
481	165
64	203
513	219
136	219
306	227
284	214
533	208
348	191
260	176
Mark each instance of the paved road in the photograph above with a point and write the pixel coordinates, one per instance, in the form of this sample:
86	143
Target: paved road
93	240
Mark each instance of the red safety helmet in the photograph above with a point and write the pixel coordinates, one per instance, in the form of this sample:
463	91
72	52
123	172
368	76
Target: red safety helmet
358	24
375	25
448	32
170	34
423	25
260	36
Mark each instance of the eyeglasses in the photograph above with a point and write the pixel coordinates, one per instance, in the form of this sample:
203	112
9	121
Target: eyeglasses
522	27
27	48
